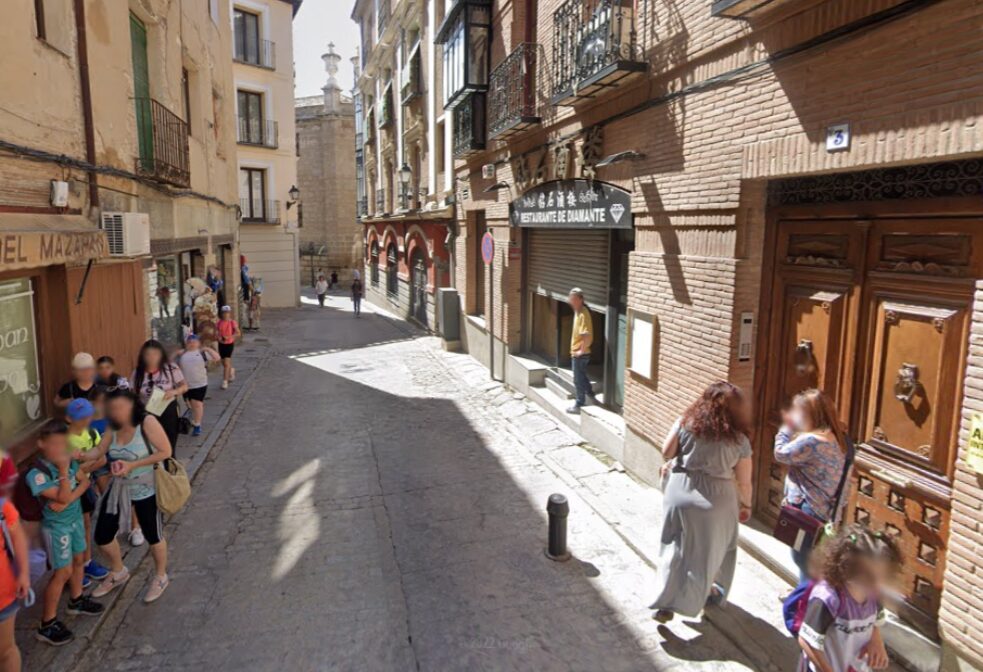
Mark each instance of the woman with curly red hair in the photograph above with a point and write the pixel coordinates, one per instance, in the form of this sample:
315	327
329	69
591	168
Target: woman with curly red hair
706	491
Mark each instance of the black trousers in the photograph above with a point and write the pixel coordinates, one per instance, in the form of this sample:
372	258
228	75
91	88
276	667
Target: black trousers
148	515
169	421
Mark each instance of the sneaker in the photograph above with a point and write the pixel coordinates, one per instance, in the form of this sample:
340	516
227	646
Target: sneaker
55	634
86	582
232	375
225	384
136	537
95	571
196	431
575	409
111	583
84	606
156	588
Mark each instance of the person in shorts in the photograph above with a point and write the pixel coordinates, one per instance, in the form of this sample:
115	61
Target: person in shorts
193	361
321	289
228	331
82	438
15	576
58	482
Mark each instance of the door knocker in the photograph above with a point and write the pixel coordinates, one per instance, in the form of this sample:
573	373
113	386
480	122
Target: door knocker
906	385
804	361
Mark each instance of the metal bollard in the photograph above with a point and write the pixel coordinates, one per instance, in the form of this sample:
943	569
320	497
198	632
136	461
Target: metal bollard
558	509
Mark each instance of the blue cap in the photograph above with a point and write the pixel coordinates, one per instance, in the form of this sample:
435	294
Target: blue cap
79	409
191	337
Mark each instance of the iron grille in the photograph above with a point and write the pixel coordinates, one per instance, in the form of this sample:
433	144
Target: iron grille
512	91
164	155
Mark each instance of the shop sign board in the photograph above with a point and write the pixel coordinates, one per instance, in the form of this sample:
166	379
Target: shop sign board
573	204
28	249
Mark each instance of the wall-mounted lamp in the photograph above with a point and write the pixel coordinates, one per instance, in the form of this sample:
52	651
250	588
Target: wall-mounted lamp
629	155
294	195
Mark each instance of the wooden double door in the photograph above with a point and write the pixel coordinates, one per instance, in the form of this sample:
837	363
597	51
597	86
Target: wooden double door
876	312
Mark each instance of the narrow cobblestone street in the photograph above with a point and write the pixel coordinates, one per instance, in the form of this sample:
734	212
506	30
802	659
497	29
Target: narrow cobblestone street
378	504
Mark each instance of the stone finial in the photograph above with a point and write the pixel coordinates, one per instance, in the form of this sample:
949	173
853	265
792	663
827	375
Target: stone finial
332	90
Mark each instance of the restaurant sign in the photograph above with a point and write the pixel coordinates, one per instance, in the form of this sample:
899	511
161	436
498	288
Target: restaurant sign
26	249
573	204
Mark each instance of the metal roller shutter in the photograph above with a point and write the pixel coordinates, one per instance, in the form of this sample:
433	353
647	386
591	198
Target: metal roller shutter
562	259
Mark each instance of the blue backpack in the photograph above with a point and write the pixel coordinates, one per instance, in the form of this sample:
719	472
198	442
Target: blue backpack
794	606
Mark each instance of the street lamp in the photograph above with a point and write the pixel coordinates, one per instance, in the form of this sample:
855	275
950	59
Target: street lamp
294	194
405	175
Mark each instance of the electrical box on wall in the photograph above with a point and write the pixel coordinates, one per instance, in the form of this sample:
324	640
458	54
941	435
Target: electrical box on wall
59	194
488	171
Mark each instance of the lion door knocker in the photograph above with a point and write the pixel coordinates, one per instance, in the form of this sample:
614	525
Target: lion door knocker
906	385
805	363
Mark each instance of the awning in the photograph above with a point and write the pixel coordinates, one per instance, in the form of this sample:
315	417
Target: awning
28	241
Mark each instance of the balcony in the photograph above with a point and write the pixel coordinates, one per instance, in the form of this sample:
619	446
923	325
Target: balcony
746	9
369	128
363	206
258	133
411	77
385	11
262	54
163	144
386	111
512	93
380	203
594	48
260	212
469	126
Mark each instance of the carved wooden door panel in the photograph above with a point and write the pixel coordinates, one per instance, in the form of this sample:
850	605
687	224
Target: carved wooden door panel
917	304
814	304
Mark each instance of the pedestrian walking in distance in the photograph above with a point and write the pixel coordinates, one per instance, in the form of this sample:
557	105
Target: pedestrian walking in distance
707	490
357	293
334	279
193	362
812	442
581	339
321	289
136	444
228	332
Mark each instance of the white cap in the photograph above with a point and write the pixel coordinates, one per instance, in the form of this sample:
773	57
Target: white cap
83	360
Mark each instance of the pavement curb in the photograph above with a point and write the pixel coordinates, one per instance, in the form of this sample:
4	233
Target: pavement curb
68	657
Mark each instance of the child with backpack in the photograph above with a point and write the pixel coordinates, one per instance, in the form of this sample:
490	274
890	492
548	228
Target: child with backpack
58	482
838	618
82	438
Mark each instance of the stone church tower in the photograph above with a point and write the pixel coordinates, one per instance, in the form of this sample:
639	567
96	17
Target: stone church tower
330	234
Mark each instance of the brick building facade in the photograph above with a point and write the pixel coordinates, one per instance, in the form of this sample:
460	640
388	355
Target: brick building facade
804	183
782	194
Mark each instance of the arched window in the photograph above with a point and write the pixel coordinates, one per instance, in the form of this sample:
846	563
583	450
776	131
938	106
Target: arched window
374	262
392	271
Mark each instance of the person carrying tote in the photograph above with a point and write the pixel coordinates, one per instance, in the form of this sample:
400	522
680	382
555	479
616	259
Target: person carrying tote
813	443
707	491
135	445
159	384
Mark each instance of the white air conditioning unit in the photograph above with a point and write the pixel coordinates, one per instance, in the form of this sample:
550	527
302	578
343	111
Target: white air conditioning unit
128	233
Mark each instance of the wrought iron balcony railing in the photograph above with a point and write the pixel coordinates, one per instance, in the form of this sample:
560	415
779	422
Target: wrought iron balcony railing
411	79
380	202
260	211
469	126
163	143
363	206
262	53
512	103
594	47
261	133
386	111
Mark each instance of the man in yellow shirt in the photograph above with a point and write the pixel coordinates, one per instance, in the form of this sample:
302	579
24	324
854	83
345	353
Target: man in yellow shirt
581	338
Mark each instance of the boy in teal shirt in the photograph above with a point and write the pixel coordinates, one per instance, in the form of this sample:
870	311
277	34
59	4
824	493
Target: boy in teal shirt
82	439
58	482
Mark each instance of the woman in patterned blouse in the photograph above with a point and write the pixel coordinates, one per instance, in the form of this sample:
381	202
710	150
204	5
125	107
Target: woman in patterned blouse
813	443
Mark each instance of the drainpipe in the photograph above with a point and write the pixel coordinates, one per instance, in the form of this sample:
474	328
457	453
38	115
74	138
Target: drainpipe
90	133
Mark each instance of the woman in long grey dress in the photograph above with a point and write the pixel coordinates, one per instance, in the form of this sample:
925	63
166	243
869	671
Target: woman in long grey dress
707	490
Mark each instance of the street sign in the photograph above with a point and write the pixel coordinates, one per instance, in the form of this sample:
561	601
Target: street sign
488	247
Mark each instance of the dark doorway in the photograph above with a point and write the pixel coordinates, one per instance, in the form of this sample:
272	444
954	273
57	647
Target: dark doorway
418	286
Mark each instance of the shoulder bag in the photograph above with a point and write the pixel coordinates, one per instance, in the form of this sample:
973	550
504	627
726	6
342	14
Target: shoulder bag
171	483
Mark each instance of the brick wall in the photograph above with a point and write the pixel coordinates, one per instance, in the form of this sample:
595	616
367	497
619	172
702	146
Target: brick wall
961	615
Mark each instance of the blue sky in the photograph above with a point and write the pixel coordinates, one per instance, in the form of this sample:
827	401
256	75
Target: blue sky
317	23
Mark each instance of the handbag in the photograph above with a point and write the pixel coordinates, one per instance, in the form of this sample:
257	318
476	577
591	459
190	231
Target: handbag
799	530
171	483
